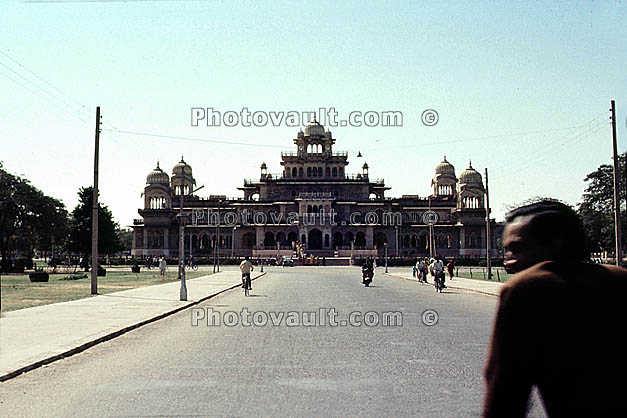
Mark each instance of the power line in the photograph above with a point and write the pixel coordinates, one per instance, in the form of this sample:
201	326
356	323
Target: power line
60	92
185	138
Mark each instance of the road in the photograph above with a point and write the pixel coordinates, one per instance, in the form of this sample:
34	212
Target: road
171	368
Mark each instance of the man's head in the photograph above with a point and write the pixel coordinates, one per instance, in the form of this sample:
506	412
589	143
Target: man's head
541	231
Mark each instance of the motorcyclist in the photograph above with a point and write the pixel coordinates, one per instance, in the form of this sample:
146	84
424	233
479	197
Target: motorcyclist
367	271
437	269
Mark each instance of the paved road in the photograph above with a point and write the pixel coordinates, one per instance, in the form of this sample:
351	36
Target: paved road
171	368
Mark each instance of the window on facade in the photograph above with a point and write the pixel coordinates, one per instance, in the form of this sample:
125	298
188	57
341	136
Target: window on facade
334	171
300	172
319	171
294	172
328	172
308	171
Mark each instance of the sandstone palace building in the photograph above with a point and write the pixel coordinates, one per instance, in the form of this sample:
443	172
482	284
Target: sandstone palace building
314	201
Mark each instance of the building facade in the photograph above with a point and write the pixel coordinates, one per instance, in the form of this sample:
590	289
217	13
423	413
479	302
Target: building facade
314	201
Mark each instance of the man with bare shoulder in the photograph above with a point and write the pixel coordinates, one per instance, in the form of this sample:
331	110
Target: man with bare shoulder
558	323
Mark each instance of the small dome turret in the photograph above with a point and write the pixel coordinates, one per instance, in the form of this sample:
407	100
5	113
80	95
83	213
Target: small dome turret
157	176
471	176
445	168
182	168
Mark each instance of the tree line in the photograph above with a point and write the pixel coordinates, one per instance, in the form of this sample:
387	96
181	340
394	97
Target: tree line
31	220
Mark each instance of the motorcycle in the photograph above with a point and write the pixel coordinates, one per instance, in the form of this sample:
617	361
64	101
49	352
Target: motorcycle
367	275
438	282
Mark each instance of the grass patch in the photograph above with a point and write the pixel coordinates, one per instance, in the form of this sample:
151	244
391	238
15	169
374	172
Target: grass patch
18	292
481	273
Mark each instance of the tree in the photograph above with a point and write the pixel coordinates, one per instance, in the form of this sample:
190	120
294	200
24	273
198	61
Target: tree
79	237
28	218
597	206
126	239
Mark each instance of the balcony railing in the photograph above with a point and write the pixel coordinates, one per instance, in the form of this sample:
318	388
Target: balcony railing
315	154
348	177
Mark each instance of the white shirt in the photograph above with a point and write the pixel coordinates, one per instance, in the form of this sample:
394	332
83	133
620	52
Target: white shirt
246	266
437	266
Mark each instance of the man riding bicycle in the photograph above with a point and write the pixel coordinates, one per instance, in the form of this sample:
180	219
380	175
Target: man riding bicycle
246	267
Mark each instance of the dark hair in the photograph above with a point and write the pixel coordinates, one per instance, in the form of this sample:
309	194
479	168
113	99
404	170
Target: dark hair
552	220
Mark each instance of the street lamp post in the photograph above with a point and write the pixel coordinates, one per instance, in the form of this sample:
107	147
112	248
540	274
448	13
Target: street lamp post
218	241
385	245
233	242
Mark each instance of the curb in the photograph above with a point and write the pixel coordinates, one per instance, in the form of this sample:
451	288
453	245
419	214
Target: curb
448	287
112	335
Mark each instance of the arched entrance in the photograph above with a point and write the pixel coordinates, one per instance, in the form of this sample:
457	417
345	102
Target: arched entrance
380	239
360	239
248	240
315	239
268	241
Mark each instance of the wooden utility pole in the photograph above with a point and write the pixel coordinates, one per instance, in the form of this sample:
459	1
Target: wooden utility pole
94	212
181	266
617	226
487	227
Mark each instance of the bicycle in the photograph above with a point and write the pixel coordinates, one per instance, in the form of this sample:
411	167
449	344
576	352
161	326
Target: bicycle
246	283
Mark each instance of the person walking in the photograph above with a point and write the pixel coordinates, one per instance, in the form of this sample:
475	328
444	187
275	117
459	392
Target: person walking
450	267
162	266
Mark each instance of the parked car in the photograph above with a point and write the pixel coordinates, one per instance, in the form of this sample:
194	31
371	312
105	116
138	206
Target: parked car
287	261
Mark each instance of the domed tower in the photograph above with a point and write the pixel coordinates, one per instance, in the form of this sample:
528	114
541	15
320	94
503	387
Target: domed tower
182	179
314	157
315	140
157	193
444	181
470	189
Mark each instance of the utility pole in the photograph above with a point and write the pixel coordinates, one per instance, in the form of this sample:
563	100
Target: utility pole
617	226
183	291
94	212
431	249
487	227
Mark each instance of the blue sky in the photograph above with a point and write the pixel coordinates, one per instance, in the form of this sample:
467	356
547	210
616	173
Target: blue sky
522	89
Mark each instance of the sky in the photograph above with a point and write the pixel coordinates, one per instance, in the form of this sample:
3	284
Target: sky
521	89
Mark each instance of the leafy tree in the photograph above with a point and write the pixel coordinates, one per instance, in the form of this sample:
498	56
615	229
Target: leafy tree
126	239
28	218
79	236
597	206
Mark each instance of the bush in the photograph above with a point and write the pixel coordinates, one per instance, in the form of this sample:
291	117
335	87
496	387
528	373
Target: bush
75	277
18	265
38	276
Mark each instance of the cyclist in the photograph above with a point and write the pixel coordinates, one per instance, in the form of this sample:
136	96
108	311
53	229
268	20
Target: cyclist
246	267
437	269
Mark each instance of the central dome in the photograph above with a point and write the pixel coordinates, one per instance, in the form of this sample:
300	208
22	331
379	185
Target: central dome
314	129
